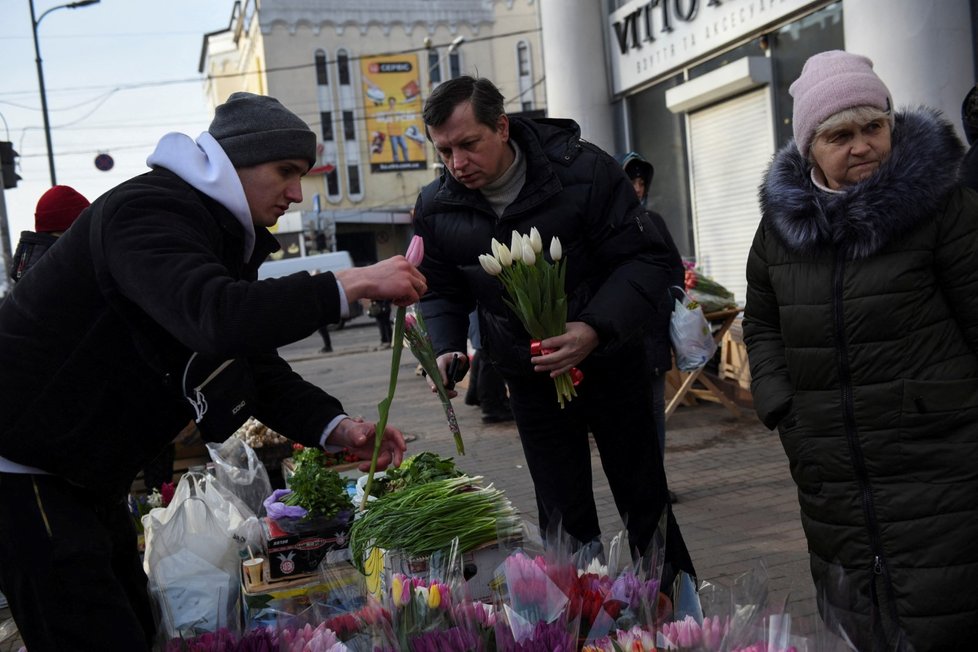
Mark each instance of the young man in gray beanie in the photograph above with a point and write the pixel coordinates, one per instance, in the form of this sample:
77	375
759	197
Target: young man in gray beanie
95	340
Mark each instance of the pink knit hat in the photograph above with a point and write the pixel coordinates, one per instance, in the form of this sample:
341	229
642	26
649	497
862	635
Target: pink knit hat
830	82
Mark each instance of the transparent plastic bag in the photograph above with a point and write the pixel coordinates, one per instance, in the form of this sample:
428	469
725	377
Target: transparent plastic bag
238	468
691	335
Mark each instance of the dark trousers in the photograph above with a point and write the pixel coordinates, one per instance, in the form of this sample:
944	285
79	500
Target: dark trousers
327	342
386	328
617	409
70	568
486	386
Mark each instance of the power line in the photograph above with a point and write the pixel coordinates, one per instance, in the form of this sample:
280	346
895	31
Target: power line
138	85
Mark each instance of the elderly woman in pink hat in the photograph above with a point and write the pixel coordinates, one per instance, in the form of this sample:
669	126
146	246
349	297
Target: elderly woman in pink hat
862	332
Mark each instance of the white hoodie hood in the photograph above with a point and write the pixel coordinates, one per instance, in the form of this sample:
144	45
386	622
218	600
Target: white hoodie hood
205	166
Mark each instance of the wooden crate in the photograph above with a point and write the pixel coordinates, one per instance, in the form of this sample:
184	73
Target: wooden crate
733	356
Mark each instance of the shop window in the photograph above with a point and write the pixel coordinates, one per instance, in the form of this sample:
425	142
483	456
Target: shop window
332	183
523	58
326	119
353	176
321	77
455	64
791	46
343	64
434	68
659	135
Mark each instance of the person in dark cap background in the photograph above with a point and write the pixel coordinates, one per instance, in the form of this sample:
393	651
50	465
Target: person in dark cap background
94	341
56	210
640	172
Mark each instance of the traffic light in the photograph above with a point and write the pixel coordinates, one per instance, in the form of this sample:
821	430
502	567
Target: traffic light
7	156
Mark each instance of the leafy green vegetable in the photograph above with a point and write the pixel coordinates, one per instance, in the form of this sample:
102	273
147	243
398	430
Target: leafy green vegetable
316	487
418	469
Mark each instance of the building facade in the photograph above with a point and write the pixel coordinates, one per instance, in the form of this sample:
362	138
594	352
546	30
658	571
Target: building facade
358	73
700	88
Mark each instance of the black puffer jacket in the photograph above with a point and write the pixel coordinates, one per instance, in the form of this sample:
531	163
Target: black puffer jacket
862	332
91	390
618	264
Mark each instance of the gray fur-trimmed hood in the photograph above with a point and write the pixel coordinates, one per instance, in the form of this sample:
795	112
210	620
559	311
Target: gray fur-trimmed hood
921	170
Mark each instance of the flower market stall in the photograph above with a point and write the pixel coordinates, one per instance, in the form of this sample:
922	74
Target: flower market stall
422	557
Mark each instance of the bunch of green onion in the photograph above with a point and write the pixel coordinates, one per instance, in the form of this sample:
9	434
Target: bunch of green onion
425	518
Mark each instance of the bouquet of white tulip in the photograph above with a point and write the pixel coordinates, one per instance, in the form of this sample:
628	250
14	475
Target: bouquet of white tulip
536	294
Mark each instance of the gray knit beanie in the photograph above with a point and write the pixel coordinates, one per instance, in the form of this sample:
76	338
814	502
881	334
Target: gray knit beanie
254	129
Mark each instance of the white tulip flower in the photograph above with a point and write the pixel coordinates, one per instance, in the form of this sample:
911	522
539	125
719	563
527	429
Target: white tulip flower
535	241
503	255
529	258
556	253
516	246
494	247
490	265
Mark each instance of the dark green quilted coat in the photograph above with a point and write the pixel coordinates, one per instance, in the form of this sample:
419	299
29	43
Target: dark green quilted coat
862	331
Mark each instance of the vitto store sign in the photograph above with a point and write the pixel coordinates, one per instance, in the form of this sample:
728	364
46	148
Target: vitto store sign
650	38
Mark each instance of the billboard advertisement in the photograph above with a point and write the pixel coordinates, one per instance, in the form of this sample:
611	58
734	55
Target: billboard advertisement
392	105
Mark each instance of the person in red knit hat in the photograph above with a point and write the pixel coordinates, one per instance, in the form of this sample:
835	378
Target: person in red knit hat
56	210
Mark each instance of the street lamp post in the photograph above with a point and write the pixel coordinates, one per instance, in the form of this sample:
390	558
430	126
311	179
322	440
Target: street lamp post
40	75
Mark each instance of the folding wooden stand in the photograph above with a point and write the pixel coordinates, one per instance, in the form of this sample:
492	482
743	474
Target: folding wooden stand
683	383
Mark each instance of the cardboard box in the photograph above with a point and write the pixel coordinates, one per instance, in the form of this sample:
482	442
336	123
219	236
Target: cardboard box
289	555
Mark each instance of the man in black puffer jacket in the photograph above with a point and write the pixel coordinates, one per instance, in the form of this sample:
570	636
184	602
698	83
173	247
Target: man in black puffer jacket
507	174
94	340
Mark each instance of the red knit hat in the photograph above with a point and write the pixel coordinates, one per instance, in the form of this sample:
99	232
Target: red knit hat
58	208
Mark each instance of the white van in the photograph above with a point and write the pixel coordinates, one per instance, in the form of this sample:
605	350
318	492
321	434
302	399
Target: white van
315	264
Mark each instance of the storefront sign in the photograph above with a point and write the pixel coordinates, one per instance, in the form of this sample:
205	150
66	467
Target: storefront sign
652	38
392	103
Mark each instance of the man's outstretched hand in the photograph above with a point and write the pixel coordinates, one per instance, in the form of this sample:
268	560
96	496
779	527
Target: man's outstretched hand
357	435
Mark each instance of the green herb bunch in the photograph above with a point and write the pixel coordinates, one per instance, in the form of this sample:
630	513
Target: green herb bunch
316	487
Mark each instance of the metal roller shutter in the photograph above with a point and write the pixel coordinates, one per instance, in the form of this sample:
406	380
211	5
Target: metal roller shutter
730	146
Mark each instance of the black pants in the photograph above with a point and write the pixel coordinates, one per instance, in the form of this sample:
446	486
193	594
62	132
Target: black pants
385	326
617	409
70	568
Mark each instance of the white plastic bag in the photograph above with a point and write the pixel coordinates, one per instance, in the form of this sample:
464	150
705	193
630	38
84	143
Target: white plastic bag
192	558
193	555
692	338
241	472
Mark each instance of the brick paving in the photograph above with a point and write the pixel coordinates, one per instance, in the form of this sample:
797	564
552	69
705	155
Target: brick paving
737	504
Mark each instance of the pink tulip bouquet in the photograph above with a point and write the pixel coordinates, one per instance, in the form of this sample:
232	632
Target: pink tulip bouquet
535	289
